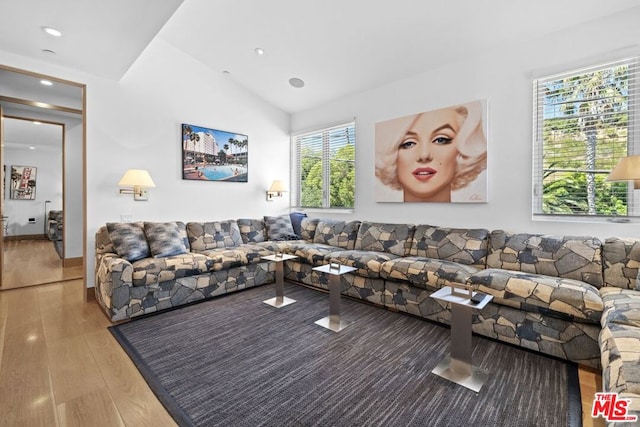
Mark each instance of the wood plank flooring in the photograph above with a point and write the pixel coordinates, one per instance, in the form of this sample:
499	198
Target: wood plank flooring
60	366
33	262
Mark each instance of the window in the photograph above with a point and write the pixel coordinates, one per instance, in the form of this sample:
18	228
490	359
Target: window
584	122
325	168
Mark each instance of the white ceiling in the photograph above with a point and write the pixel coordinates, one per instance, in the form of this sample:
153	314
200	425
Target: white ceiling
22	134
337	47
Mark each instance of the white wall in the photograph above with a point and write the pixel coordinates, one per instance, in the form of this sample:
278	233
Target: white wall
503	77
48	160
73	209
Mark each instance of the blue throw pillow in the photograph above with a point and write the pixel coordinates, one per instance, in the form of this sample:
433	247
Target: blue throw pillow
296	222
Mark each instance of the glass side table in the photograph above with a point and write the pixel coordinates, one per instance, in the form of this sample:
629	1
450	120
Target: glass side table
279	300
457	367
333	320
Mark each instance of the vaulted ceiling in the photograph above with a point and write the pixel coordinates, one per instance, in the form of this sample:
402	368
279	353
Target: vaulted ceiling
337	47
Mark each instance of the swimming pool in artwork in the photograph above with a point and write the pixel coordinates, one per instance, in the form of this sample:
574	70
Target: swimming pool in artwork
222	172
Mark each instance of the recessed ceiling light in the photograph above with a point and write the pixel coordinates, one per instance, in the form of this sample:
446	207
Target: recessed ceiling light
46	82
49	51
52	31
31	147
296	82
259	51
35	122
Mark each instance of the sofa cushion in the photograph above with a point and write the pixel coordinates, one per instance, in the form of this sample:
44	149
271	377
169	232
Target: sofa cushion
391	238
426	273
308	228
310	253
568	257
164	239
620	306
621	258
252	230
465	246
129	240
368	263
103	244
210	235
156	270
340	234
226	258
563	298
620	356
279	228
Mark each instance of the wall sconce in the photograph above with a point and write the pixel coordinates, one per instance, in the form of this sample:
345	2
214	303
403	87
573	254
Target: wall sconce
627	169
137	182
276	190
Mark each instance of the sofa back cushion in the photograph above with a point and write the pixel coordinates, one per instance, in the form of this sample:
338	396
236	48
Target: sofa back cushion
104	244
252	230
621	258
308	228
461	245
569	257
380	237
341	234
210	235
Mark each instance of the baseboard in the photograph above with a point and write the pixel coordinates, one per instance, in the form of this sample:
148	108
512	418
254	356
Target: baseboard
72	262
27	237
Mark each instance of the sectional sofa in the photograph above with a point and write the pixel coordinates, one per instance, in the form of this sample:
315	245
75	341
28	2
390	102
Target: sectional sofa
572	297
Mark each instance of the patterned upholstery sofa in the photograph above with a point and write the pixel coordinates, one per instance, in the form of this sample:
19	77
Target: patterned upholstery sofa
620	335
567	296
54	225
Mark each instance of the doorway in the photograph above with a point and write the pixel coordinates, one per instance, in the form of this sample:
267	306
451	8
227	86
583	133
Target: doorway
42	157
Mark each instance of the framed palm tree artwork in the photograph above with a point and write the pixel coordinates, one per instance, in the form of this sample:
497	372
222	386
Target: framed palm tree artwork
23	182
214	155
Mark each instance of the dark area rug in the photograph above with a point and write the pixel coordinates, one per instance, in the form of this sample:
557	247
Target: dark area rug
234	361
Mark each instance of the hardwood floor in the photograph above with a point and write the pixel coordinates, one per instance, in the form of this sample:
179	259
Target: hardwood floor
60	366
33	262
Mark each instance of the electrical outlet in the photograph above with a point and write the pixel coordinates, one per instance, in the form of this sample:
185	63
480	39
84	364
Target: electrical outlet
126	217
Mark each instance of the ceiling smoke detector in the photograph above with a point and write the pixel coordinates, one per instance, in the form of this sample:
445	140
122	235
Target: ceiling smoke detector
296	82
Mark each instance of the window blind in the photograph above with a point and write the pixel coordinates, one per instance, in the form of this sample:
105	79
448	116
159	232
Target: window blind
325	167
584	122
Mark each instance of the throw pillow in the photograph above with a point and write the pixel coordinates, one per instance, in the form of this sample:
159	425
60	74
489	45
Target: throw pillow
164	239
279	227
129	240
296	222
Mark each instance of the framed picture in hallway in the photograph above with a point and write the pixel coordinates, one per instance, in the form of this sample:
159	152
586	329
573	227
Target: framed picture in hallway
23	182
434	156
214	155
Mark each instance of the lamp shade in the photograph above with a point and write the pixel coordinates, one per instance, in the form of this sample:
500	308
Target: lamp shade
136	178
278	187
627	169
